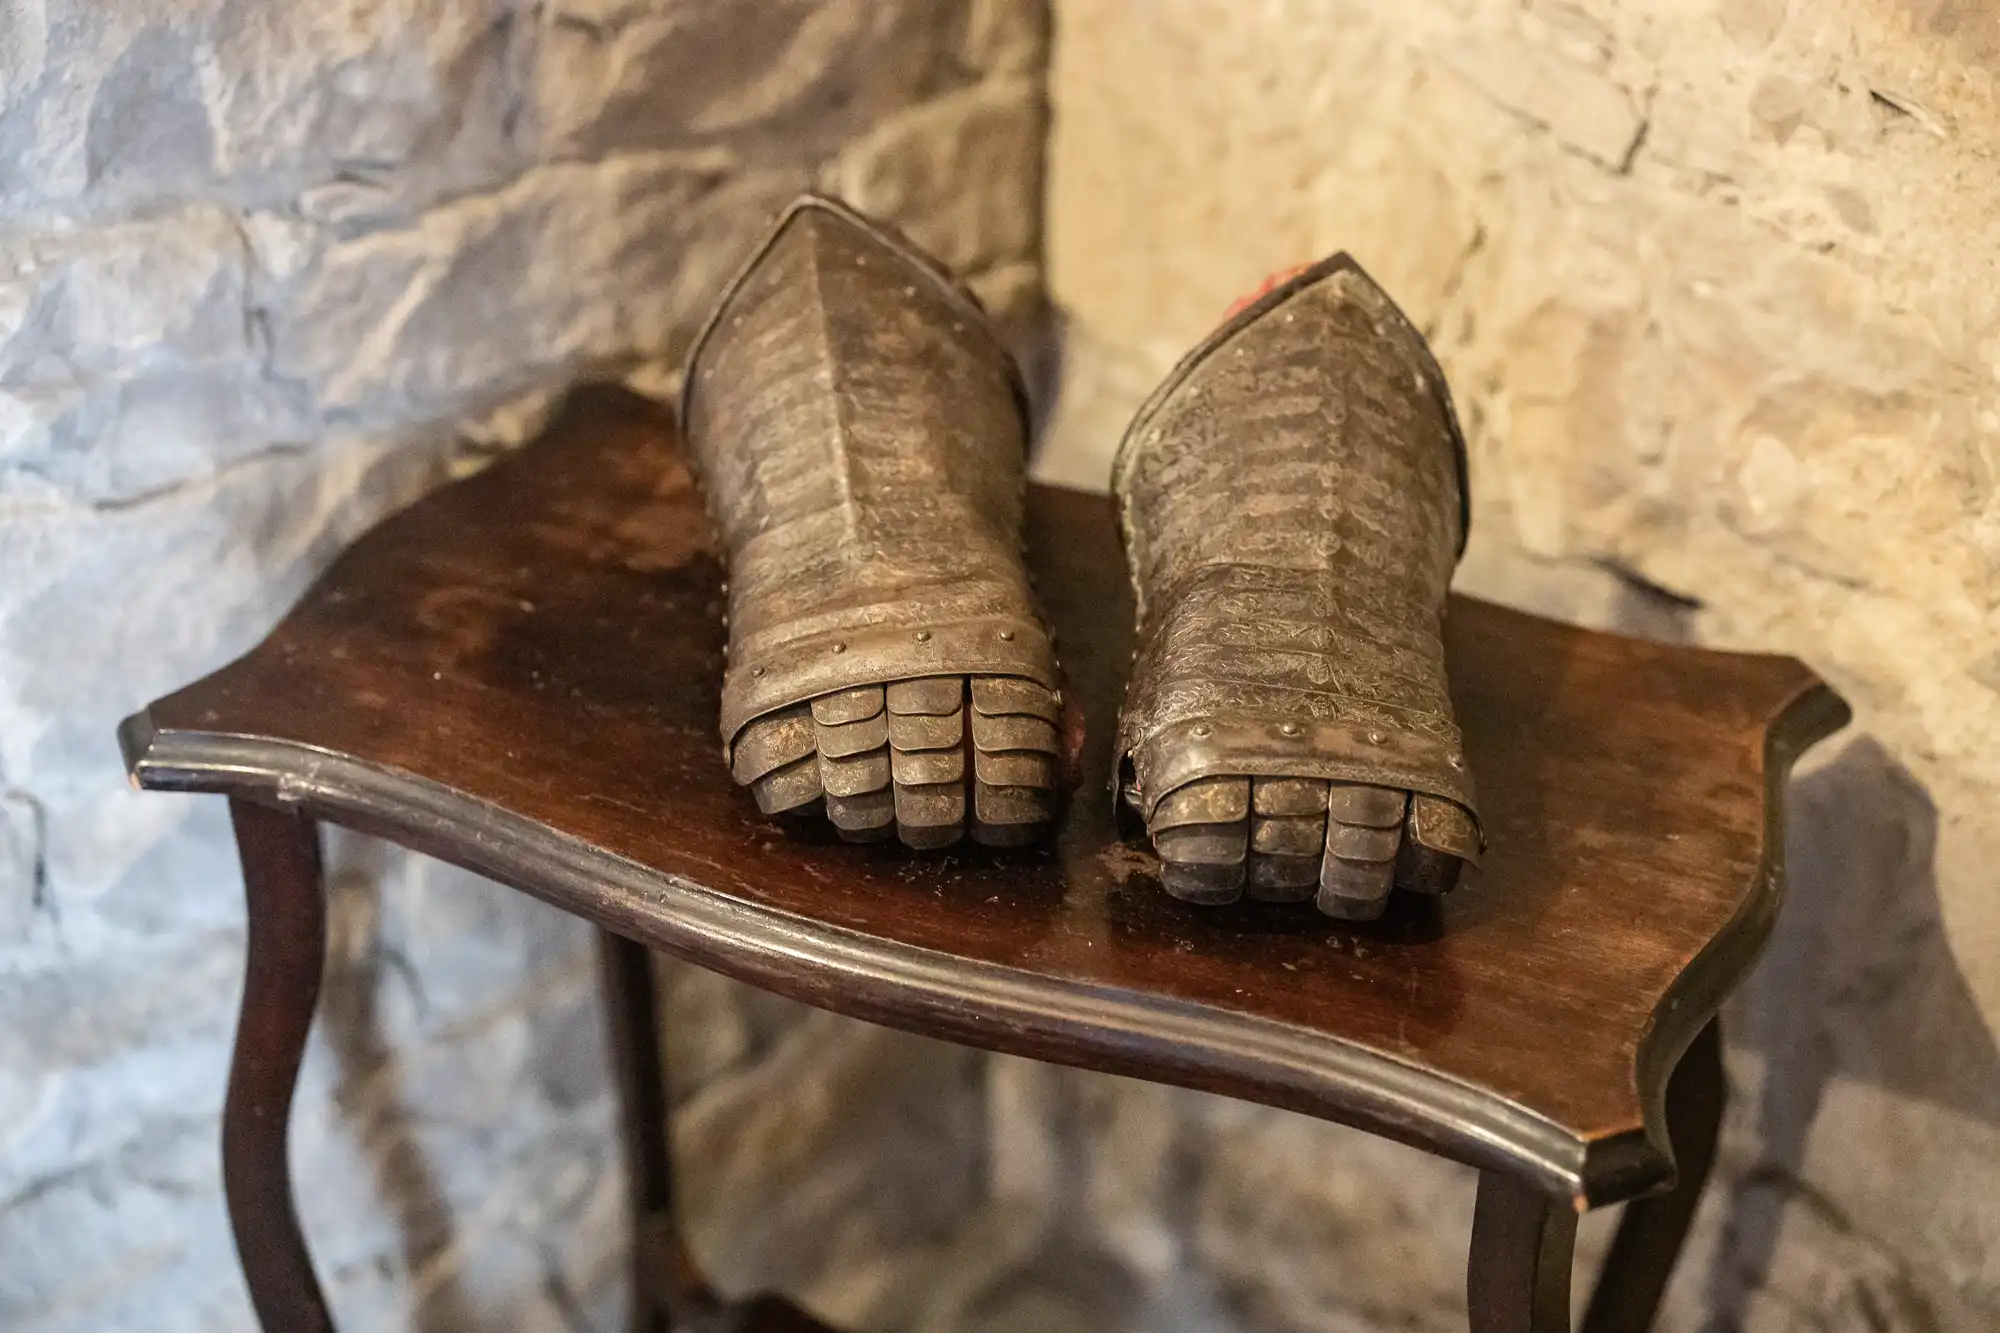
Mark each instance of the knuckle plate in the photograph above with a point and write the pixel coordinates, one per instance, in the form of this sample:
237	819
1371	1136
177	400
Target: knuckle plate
1293	500
860	435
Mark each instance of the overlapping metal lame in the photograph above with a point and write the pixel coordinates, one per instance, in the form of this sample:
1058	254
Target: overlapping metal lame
1293	501
860	435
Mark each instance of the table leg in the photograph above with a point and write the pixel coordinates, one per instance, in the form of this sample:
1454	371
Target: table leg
286	950
1517	1278
666	1287
1652	1231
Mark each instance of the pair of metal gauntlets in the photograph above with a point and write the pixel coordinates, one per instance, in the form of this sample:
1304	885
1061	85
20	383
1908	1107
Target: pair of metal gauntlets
861	437
1294	501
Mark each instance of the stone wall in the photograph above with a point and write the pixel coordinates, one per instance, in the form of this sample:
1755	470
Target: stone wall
1712	290
260	264
1717	289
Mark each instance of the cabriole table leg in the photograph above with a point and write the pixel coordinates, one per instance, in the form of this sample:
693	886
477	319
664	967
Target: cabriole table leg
286	948
1651	1233
1517	1278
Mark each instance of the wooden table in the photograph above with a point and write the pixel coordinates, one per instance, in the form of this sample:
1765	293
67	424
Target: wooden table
519	674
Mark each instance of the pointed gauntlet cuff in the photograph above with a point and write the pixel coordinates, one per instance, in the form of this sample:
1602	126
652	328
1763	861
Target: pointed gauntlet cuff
860	434
1293	500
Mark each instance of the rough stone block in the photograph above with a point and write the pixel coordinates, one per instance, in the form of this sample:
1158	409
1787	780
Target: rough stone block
951	171
645	242
778	82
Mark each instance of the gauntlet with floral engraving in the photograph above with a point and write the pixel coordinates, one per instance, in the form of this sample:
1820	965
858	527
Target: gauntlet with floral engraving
1294	501
860	434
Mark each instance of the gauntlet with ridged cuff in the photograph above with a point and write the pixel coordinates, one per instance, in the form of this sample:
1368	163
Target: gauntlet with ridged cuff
860	435
1294	501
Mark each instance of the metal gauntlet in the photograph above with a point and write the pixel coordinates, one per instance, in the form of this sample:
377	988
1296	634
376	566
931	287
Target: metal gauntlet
1294	500
861	437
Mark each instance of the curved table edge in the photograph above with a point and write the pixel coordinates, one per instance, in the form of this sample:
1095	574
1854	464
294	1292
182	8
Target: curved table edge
1005	1008
983	1004
1618	1166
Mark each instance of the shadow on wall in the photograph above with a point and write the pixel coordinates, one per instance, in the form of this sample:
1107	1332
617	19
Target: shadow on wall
1858	984
369	1090
462	1046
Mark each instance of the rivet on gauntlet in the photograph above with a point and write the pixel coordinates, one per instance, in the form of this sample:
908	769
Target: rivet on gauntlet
860	434
1293	499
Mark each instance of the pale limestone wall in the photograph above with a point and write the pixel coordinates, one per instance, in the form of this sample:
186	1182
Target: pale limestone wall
258	261
1718	289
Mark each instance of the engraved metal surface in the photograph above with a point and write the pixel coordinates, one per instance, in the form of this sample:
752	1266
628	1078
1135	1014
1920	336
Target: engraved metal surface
860	436
1293	500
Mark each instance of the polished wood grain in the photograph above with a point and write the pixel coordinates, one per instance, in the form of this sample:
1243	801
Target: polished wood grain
520	674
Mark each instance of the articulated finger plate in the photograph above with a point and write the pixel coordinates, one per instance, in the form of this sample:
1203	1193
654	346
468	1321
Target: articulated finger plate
913	767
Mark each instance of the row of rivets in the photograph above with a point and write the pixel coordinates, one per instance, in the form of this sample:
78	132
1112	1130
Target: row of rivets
1202	729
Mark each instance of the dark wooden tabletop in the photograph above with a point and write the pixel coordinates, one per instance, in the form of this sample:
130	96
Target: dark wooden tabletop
520	674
